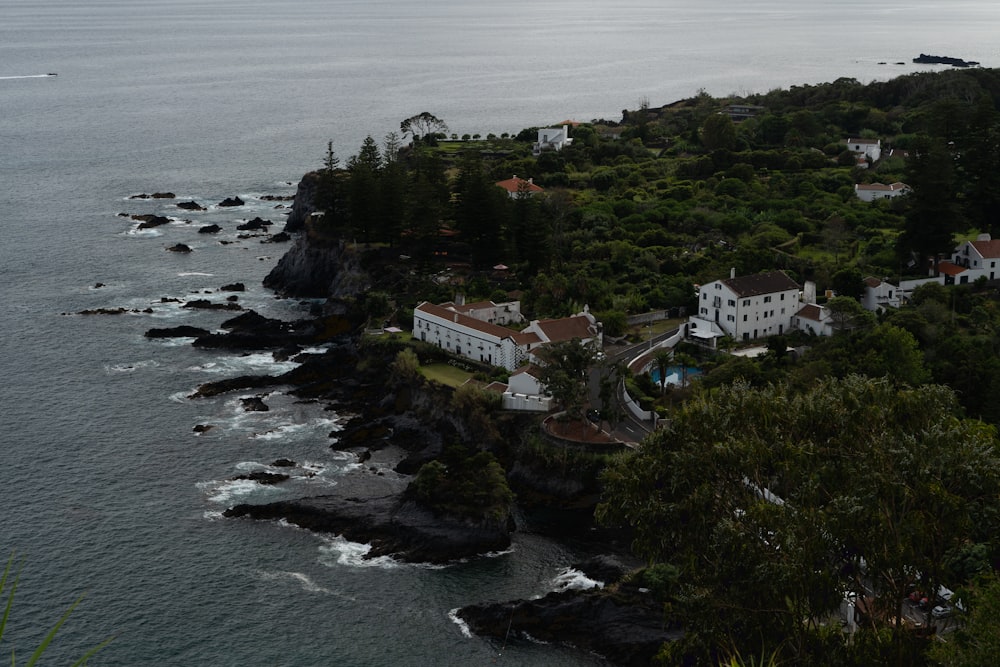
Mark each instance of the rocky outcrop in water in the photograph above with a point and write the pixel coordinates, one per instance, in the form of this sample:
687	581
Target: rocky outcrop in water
393	527
304	204
925	59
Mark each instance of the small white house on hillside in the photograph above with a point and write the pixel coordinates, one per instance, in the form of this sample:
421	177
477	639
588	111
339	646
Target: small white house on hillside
814	319
873	191
880	294
870	148
519	187
979	258
551	139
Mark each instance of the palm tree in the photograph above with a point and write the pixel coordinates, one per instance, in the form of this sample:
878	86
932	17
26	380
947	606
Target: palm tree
663	359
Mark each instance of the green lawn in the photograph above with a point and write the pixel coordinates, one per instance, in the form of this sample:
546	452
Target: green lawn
445	374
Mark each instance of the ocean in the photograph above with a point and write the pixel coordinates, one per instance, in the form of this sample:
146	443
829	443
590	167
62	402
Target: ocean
105	488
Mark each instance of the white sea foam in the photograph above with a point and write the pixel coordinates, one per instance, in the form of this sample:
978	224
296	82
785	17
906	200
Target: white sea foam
223	492
196	273
307	584
339	551
571	579
130	368
462	625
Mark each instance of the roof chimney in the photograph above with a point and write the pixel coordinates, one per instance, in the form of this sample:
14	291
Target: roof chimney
732	273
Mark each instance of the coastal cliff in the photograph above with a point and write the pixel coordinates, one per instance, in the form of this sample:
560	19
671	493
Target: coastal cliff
316	266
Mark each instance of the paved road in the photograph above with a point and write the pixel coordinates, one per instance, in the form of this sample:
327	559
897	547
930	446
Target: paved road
629	429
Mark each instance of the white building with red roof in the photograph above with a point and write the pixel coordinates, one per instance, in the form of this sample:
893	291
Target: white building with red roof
875	191
552	139
519	187
458	330
976	259
746	308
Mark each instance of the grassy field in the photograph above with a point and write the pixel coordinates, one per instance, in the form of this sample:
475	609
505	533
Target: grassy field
445	374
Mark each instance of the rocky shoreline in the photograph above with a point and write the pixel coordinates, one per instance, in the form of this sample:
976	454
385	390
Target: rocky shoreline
415	421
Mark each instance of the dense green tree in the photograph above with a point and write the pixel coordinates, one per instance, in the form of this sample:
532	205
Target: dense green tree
931	216
565	372
773	503
423	125
718	131
976	642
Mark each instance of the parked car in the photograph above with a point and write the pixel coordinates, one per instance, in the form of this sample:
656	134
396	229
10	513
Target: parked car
941	611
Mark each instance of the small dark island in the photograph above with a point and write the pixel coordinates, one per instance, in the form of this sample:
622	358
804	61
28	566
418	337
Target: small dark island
925	59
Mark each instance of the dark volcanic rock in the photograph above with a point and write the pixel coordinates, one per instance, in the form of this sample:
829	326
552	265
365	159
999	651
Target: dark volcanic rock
234	287
401	529
180	247
210	229
284	463
190	206
254	225
205	304
925	59
150	221
231	201
155	195
280	237
183	331
254	404
262	477
625	627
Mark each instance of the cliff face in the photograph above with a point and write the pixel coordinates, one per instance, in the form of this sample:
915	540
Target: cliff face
315	267
318	268
304	204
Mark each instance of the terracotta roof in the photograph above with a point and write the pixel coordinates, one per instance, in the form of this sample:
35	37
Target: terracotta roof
950	269
882	187
465	320
872	281
531	369
525	338
515	185
761	283
811	311
498	387
471	306
989	249
566	328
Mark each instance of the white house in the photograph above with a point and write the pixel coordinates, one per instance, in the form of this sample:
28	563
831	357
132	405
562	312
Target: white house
463	334
519	187
870	148
525	391
551	139
814	319
979	258
880	294
873	191
746	308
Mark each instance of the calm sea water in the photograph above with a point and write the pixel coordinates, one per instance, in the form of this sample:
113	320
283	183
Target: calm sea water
104	488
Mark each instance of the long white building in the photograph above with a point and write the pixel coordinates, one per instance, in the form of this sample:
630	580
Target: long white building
459	330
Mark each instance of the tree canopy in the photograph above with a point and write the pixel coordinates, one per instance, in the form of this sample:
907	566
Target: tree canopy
775	504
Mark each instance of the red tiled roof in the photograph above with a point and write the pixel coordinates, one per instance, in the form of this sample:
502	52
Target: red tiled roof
989	249
566	328
811	311
465	320
761	283
872	281
525	338
515	185
882	187
950	269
